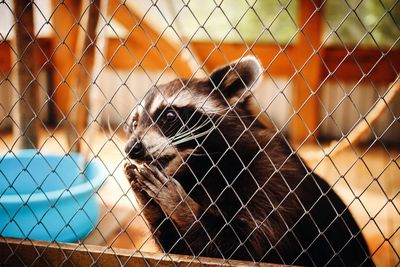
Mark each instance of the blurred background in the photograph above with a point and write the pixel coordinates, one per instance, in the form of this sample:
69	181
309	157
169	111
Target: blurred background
330	83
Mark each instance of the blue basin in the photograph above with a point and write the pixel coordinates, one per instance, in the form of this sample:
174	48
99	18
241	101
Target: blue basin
47	196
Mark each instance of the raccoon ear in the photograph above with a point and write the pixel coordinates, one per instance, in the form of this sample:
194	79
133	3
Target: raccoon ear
236	79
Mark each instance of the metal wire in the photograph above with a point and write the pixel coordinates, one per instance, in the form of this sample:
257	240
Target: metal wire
106	144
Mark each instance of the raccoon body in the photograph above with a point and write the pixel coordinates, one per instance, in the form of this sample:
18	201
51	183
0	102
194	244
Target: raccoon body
213	181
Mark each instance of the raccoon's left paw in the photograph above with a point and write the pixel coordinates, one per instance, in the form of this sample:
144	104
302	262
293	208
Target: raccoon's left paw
167	192
129	170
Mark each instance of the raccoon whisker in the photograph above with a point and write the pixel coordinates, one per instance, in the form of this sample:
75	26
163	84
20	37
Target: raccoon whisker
220	111
188	132
180	132
238	116
191	130
170	128
203	154
231	116
184	140
197	155
183	137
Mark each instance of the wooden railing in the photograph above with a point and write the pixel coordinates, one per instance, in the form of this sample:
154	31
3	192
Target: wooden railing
16	252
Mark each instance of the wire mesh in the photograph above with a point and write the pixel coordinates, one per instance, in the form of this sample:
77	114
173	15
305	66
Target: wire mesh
261	131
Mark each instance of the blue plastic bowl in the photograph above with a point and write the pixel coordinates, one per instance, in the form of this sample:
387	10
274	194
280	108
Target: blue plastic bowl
48	197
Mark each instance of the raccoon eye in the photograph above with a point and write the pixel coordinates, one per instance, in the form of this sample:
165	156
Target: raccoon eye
170	116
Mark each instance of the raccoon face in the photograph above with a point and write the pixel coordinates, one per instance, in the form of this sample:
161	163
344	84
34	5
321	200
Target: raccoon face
174	120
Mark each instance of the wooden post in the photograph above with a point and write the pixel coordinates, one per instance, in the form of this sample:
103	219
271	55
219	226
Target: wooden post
27	117
81	86
309	65
64	20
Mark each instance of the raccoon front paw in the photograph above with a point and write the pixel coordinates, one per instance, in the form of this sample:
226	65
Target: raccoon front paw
130	171
168	193
147	205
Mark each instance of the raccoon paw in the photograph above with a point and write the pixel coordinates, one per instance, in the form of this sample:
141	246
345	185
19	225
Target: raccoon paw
168	193
129	170
152	180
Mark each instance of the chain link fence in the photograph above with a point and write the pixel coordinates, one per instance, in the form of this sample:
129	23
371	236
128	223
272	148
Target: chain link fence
199	132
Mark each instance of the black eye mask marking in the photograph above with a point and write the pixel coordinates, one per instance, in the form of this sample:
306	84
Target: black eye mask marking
171	120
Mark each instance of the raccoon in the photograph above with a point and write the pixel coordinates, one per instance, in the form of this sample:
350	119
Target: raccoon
213	181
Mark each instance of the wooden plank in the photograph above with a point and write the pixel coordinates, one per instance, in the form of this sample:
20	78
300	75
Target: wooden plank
16	252
308	62
369	64
273	59
28	95
144	46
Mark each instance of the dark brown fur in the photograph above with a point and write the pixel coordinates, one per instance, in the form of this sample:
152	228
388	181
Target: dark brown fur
248	195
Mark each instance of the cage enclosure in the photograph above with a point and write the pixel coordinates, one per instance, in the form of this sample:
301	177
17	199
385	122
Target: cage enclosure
225	132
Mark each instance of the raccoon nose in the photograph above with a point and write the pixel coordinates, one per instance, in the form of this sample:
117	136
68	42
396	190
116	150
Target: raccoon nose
134	149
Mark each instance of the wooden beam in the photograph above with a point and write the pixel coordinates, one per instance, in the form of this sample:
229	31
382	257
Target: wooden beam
308	62
277	63
271	56
144	46
16	252
368	64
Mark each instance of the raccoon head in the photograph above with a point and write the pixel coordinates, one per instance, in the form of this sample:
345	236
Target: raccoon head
192	118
